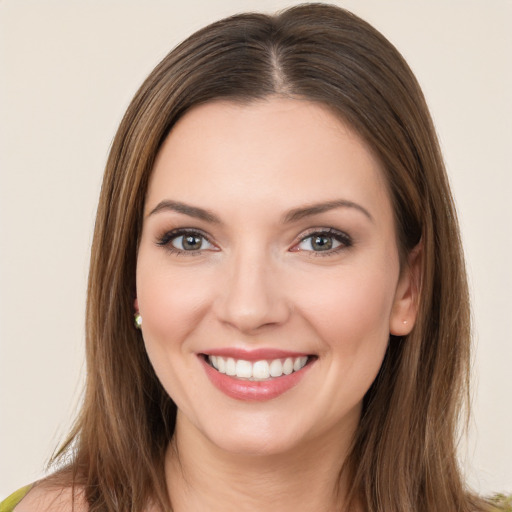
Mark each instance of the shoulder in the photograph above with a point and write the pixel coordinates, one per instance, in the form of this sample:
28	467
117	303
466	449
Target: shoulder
9	503
43	497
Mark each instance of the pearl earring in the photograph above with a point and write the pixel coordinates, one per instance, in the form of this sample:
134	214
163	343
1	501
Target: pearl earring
138	320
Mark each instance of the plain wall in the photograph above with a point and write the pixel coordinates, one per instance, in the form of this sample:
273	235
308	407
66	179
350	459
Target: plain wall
67	72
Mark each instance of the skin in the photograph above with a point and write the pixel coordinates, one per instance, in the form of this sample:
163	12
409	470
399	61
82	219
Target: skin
255	281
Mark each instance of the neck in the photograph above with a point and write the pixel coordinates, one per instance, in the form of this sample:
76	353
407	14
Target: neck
201	476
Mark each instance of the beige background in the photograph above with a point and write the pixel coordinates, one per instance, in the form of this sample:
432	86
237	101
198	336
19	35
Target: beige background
68	70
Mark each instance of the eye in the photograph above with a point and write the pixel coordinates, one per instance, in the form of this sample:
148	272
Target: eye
324	241
190	242
181	241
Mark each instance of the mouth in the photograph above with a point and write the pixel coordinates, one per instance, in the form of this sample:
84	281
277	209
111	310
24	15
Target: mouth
256	375
257	371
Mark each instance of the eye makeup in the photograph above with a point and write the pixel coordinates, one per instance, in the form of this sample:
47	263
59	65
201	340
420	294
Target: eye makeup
323	242
316	241
192	241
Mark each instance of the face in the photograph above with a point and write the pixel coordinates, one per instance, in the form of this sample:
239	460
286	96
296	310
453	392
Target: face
268	275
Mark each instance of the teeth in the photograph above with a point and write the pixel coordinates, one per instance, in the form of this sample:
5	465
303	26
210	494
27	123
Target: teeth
299	363
259	370
230	366
288	366
243	369
276	368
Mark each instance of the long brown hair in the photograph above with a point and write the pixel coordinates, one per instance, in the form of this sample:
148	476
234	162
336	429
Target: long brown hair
404	453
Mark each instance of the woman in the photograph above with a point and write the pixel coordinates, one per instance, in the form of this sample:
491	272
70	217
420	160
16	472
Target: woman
276	216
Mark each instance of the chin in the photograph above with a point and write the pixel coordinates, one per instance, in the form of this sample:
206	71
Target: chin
247	445
261	434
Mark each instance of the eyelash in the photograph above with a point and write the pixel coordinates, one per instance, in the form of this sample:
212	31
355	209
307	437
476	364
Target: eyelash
166	239
342	238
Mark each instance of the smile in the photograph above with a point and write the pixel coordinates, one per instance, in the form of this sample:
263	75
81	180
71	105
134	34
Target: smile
257	370
260	375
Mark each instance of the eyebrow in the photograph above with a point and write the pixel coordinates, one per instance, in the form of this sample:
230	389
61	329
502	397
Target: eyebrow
292	216
191	211
299	213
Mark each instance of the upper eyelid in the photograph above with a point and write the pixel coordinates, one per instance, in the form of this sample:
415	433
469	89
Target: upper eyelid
176	232
344	238
324	231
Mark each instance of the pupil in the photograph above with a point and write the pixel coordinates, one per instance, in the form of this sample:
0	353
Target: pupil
322	243
191	242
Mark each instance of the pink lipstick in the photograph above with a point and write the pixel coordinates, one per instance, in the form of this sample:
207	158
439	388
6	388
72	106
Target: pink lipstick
261	374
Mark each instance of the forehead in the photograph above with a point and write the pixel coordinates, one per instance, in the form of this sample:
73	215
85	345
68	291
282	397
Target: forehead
279	151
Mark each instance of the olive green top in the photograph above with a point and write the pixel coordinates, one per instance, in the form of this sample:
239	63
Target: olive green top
9	503
503	502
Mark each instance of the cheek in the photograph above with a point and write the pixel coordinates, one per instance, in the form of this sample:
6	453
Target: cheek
169	301
351	311
352	323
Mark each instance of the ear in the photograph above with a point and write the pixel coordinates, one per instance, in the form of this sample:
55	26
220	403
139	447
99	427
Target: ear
407	295
136	305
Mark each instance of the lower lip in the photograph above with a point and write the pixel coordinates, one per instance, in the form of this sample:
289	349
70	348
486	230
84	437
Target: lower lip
253	390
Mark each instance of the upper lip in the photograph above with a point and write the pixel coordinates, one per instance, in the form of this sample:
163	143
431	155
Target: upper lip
257	354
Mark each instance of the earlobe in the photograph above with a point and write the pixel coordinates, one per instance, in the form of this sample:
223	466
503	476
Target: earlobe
137	319
406	303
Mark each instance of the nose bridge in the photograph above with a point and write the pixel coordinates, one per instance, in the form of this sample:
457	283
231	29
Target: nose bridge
252	296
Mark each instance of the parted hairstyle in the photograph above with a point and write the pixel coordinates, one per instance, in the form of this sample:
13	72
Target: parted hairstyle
403	457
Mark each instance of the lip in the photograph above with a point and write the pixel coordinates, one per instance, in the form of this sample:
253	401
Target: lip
247	390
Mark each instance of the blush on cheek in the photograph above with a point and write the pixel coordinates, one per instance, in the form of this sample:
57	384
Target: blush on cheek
353	310
171	304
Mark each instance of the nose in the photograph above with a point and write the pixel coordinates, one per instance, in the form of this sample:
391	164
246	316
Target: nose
252	297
